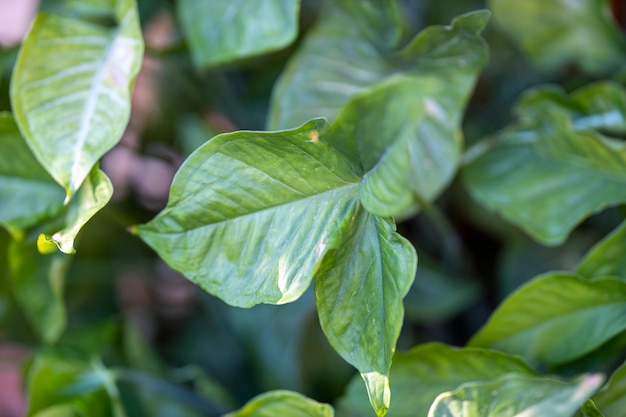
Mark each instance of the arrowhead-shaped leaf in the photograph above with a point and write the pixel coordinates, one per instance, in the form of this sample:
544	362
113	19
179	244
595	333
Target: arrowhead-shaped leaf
71	88
611	399
28	194
517	396
419	376
556	32
251	215
359	299
283	403
553	169
221	31
37	283
556	304
607	256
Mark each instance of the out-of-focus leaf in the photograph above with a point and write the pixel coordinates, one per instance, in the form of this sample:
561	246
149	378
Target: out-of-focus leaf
557	32
221	31
344	54
71	87
611	399
419	376
57	384
37	282
283	403
436	296
405	131
556	304
28	194
589	409
93	195
359	300
516	396
553	169
607	256
251	215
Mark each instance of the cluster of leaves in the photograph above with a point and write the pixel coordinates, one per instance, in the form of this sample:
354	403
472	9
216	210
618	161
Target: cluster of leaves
364	127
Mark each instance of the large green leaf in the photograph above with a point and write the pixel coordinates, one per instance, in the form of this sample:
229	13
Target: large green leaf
556	32
611	399
343	54
37	282
553	169
62	386
71	87
283	403
517	396
359	300
419	376
405	131
220	31
251	215
542	321
607	256
28	194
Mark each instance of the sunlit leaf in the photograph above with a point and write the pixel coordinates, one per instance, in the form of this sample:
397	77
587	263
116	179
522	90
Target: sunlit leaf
607	256
251	215
221	31
589	409
553	169
557	32
28	194
516	396
419	376
405	131
37	282
611	400
71	87
359	300
283	403
556	304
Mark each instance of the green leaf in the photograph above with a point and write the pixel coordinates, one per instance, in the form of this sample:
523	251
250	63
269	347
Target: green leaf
516	396
93	195
607	256
37	282
359	300
611	399
342	55
556	32
27	192
71	88
553	169
251	215
556	304
221	31
56	383
589	409
419	376
283	403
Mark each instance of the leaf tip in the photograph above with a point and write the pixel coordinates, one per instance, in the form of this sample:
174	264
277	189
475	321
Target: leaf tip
378	391
45	244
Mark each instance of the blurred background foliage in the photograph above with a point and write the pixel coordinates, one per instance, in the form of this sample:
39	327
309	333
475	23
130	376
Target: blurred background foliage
200	355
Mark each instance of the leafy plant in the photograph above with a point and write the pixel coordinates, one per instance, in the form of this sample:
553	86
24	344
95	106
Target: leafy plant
364	144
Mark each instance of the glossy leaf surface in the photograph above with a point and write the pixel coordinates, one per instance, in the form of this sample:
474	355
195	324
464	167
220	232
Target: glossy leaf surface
516	396
71	87
283	403
359	300
37	282
553	169
611	399
557	32
251	215
221	31
556	304
27	192
405	131
420	375
607	256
